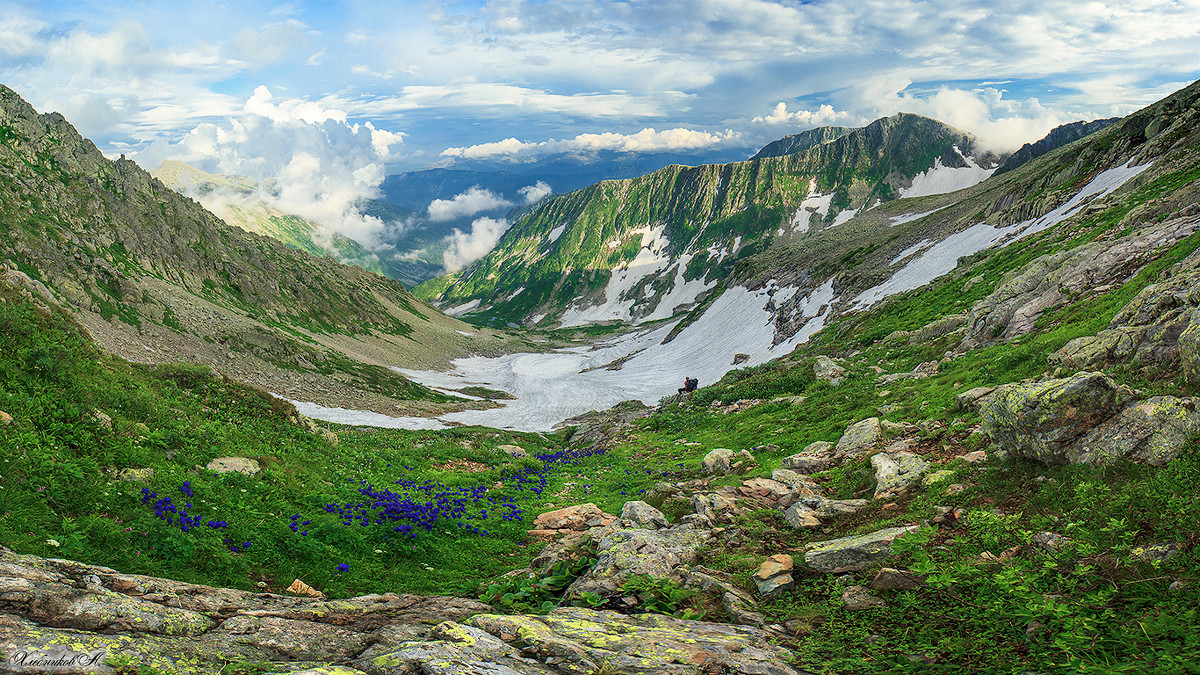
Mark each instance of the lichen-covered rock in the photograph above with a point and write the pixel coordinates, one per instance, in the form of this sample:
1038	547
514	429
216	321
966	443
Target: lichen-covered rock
800	484
891	579
717	461
645	643
974	398
1153	431
895	472
814	457
827	369
514	451
715	507
1053	279
801	517
95	608
852	553
643	515
655	553
858	439
1043	420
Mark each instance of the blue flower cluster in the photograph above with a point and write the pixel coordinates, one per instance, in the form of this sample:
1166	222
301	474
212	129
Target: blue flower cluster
414	505
166	510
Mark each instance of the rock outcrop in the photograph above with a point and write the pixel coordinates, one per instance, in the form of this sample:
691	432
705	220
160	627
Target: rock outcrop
1055	279
1088	418
52	608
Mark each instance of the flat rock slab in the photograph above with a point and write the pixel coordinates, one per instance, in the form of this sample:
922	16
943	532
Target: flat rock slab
244	465
853	553
580	640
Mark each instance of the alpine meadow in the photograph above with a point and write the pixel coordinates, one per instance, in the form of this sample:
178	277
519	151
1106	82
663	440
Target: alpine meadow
588	338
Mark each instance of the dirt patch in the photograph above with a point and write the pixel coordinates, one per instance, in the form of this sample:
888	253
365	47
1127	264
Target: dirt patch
463	465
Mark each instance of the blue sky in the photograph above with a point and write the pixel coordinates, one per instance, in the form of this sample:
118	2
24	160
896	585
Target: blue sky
516	79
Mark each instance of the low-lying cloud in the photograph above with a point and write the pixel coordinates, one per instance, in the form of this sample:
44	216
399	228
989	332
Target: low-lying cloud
466	248
308	160
533	193
646	140
465	204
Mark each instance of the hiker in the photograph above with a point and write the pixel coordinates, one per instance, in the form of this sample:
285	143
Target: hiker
689	385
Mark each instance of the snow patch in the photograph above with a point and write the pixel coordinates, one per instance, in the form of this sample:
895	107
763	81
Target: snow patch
556	233
551	387
465	332
940	179
843	216
814	204
909	217
364	417
919	246
625	276
683	292
463	308
943	256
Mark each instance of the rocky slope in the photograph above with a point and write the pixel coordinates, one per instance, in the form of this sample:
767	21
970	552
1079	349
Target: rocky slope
156	278
643	248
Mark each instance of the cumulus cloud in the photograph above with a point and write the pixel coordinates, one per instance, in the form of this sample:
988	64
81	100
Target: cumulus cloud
307	160
532	193
646	140
466	248
465	204
825	115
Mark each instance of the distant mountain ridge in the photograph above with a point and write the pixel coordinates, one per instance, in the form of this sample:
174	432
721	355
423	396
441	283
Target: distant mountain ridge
1058	137
646	247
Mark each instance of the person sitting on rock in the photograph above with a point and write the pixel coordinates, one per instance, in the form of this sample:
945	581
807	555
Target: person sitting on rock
689	385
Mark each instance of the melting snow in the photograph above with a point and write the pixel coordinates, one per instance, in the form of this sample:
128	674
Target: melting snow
682	293
463	308
843	216
556	233
365	417
625	276
940	178
464	332
814	203
909	217
944	255
552	387
920	245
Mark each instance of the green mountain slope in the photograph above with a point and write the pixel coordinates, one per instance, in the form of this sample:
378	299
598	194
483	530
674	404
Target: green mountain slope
413	256
155	277
645	247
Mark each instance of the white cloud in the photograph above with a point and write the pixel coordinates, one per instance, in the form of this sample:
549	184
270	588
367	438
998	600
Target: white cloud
646	140
310	160
467	248
532	193
466	204
825	115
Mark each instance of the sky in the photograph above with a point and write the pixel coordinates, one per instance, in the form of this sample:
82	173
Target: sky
334	95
